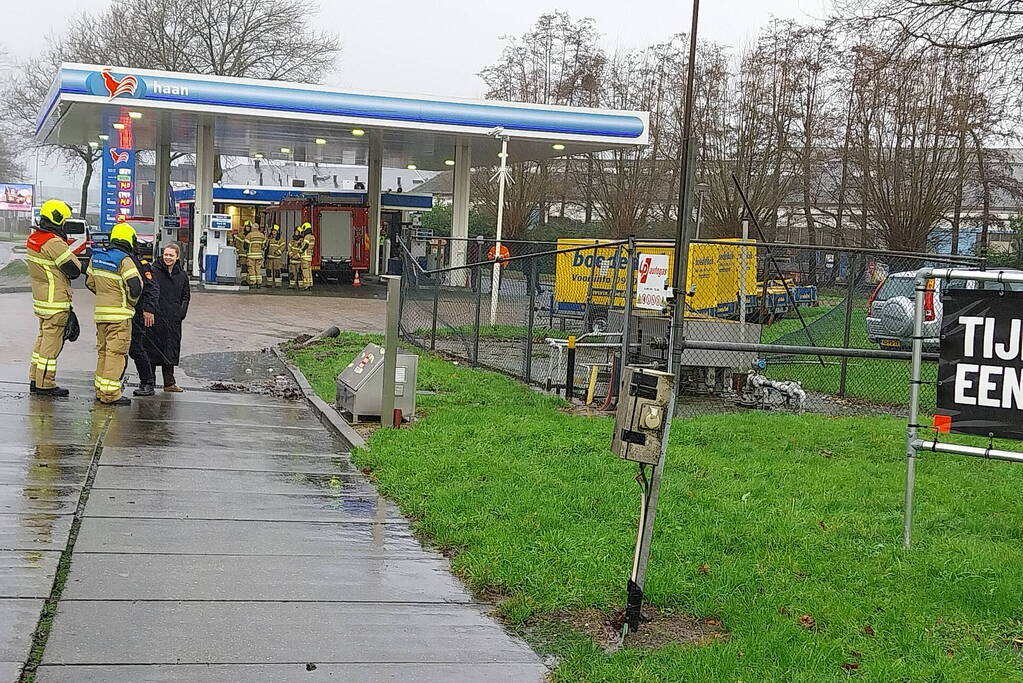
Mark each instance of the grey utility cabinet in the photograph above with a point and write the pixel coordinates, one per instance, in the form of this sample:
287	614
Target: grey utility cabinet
360	386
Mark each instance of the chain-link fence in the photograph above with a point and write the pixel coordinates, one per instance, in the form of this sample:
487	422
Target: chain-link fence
750	314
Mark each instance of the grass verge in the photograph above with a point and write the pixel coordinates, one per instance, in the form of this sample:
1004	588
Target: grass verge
784	527
14	269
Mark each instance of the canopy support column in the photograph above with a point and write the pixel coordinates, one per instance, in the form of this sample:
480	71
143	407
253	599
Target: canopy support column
373	187
460	212
203	185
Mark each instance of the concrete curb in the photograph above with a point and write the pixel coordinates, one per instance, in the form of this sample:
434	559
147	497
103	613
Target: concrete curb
325	410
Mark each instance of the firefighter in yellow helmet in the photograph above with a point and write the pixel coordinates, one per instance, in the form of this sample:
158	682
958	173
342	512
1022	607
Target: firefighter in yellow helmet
295	257
307	247
51	266
241	245
114	277
274	252
257	246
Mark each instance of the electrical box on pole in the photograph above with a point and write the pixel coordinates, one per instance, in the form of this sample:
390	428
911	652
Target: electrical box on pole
642	414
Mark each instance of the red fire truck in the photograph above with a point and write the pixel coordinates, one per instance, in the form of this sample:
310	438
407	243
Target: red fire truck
341	231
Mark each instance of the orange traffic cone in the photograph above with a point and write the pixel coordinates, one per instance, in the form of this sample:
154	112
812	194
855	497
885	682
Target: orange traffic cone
356	282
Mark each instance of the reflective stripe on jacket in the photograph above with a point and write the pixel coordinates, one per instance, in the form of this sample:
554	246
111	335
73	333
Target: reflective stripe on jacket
51	288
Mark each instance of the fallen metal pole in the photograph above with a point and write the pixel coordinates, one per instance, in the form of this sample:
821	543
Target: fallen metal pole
804	350
774	262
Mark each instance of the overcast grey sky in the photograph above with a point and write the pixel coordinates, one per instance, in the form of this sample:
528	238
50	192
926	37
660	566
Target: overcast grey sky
437	46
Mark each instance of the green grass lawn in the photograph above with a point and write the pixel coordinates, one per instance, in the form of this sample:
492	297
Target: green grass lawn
794	515
14	269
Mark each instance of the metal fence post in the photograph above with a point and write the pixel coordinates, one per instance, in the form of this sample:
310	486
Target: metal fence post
433	324
853	275
387	416
570	370
527	362
914	406
630	292
479	305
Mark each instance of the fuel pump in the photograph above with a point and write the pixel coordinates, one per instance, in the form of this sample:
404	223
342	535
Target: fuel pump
220	261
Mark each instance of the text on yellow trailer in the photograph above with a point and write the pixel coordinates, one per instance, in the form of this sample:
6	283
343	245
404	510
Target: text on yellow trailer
713	276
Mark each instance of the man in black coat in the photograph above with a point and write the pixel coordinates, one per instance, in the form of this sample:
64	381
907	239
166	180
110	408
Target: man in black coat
143	320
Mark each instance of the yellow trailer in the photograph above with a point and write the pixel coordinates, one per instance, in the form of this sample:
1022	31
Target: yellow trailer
589	276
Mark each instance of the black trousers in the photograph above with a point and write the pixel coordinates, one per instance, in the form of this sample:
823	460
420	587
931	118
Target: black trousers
138	353
147	372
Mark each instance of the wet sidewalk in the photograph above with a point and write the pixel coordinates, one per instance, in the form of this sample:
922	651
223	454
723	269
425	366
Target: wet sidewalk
223	537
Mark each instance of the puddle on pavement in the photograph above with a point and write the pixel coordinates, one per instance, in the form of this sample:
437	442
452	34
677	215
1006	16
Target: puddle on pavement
242	371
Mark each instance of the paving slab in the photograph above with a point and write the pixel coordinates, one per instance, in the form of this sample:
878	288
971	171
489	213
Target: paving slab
184	411
34	531
10	671
144	632
255	450
226	460
505	672
31	473
27	573
219	537
283	507
18	498
18	623
171	479
232	577
124	432
80	454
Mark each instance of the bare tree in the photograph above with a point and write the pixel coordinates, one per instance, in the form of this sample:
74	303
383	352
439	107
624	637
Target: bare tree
948	24
747	123
905	145
273	39
10	169
522	196
557	61
629	184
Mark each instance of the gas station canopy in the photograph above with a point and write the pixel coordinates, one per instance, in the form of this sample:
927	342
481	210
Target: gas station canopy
300	122
123	110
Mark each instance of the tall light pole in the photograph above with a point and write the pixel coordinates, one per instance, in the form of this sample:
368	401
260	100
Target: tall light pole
676	341
502	173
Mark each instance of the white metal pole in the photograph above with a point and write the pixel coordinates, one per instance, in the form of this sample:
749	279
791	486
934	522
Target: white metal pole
495	282
921	284
743	265
390	349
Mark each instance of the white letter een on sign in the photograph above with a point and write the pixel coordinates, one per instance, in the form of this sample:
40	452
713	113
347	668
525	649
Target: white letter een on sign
962	384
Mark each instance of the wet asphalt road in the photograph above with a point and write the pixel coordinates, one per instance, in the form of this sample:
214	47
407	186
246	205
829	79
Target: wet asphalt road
222	537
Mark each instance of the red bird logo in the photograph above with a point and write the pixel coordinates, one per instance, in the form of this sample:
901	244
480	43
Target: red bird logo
125	86
118	157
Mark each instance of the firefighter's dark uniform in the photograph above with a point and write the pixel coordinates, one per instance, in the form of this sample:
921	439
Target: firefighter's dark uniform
308	246
51	267
274	252
115	279
256	241
149	302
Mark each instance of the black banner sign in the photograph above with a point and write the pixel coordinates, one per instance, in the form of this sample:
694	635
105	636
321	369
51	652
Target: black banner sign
980	373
